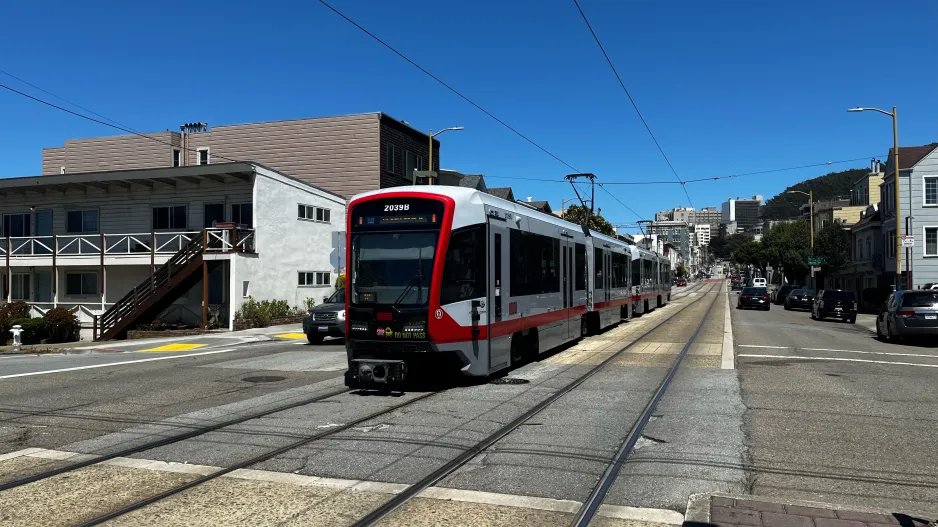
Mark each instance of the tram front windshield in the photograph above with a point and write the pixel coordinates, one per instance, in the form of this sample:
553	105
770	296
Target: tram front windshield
392	268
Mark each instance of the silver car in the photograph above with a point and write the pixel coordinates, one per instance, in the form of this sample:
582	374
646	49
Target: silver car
907	314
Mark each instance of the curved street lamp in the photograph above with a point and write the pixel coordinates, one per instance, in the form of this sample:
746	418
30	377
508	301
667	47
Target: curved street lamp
895	170
432	135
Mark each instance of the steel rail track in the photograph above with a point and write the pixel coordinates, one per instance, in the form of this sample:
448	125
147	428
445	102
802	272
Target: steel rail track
436	476
195	432
590	507
273	453
248	462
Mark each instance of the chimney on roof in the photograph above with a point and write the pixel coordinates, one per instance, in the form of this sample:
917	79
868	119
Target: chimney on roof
529	199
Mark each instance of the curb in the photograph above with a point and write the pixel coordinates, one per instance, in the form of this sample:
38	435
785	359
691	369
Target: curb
698	509
698	506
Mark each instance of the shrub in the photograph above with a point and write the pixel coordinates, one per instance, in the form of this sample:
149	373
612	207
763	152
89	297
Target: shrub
260	313
62	324
9	313
340	281
35	330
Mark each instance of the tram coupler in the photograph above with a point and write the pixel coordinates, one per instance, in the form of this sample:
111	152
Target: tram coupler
375	373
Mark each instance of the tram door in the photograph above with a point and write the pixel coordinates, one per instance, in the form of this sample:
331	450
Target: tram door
499	346
566	285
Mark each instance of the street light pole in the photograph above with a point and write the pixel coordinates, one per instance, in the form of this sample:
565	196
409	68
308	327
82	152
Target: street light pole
432	135
810	195
895	172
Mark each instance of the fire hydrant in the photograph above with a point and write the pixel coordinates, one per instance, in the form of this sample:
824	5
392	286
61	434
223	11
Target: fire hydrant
16	331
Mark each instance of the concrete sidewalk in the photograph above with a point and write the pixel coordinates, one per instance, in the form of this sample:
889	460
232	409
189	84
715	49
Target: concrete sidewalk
227	338
758	511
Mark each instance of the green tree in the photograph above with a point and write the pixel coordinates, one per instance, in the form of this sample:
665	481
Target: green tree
723	247
681	270
752	253
577	213
786	246
833	243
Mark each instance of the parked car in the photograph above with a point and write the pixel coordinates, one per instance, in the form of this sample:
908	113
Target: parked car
326	319
757	297
908	313
835	303
736	284
681	282
781	293
799	299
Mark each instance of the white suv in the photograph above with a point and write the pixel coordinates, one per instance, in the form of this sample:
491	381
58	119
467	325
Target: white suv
758	282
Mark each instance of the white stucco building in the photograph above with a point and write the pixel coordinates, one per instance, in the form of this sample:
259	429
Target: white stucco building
145	239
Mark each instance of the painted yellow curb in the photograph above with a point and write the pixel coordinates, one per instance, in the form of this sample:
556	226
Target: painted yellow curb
175	347
297	336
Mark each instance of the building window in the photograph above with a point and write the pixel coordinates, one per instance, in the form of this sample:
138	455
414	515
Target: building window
931	241
204	157
859	249
931	190
242	214
16	225
411	162
891	244
213	213
81	284
314	278
869	248
170	218
245	288
176	160
20	289
81	221
309	212
389	162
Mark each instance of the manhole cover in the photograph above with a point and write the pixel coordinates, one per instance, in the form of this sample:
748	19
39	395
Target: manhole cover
264	378
510	380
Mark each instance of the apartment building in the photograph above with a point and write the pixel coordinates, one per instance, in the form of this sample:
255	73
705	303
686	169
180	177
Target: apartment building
130	246
744	213
344	155
711	216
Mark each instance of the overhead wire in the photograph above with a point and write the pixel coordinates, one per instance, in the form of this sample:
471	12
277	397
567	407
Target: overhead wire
461	95
632	100
99	121
699	180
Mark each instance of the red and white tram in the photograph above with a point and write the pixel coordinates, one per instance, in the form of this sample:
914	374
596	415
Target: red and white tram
453	278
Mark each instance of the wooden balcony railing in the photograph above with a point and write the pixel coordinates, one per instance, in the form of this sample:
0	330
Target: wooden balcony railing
220	239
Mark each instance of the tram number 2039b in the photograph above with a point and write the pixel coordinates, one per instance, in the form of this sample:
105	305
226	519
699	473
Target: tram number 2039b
397	207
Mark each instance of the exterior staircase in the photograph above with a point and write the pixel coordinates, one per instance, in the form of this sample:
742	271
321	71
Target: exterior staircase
151	296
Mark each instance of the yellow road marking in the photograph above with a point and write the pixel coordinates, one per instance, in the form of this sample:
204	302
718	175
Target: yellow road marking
291	336
175	347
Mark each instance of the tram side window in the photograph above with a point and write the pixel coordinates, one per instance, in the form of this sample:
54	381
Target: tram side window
580	266
648	269
464	268
637	273
534	266
598	261
620	268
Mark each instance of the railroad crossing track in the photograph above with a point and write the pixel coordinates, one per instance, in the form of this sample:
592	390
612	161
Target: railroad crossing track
587	511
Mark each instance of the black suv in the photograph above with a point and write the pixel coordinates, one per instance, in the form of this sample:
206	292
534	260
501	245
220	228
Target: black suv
835	303
780	294
326	319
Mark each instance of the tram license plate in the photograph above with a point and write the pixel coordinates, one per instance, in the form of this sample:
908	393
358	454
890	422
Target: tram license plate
324	329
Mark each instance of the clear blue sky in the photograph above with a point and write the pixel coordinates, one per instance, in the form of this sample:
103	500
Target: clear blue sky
727	86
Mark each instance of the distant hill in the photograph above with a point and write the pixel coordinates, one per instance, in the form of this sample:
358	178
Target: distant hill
825	187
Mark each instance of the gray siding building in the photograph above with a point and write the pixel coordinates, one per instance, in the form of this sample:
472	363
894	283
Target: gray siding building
345	155
918	172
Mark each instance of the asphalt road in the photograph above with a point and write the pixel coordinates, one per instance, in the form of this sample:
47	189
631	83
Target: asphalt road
834	415
50	410
813	410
